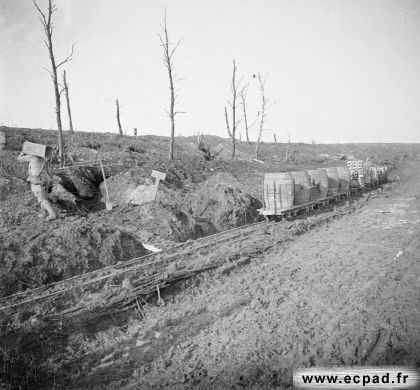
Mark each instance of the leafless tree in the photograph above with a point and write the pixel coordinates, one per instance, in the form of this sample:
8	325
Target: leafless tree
243	101
227	123
48	25
275	138
200	137
118	117
243	96
66	92
235	88
288	149
168	52
263	111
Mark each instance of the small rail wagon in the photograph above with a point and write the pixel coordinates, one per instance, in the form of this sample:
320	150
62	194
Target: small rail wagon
367	173
288	193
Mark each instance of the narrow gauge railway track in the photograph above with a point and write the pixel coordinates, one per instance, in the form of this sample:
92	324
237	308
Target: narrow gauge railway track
121	284
149	264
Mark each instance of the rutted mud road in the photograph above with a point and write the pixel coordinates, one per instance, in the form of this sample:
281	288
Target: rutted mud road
346	292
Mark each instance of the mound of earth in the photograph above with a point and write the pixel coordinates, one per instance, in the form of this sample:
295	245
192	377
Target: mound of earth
152	222
179	173
80	180
223	151
61	252
224	179
166	221
77	184
179	214
225	206
135	184
126	186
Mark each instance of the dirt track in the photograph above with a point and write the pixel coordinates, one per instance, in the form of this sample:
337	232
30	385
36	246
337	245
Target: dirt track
346	292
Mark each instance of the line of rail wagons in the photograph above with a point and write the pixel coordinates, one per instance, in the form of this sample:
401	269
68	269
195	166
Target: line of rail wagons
287	193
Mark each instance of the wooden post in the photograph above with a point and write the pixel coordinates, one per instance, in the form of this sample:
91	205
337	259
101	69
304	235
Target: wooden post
158	292
108	203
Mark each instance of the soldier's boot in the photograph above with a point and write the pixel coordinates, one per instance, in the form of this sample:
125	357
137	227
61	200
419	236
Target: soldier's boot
51	214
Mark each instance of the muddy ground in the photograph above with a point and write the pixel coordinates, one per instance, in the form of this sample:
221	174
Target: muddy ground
197	198
338	287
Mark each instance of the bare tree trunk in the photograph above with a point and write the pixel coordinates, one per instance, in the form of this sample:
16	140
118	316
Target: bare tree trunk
234	87
58	111
167	60
118	117
234	97
66	92
227	123
199	140
172	114
243	95
275	138
287	155
46	21
243	100
264	102
55	82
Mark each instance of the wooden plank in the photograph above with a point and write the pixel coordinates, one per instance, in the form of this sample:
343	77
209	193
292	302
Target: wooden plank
38	150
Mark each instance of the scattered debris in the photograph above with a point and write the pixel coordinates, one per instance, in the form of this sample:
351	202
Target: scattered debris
151	248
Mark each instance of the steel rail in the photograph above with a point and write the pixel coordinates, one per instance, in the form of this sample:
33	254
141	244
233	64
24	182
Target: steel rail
136	264
132	265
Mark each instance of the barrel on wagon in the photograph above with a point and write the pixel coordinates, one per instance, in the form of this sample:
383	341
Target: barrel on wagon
319	182
333	181
344	178
302	187
278	192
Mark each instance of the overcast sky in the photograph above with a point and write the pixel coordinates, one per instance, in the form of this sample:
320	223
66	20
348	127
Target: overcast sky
337	70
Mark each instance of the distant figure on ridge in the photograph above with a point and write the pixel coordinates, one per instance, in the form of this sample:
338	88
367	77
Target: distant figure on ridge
40	178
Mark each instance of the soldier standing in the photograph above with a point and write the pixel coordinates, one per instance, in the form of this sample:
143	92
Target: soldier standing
40	179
